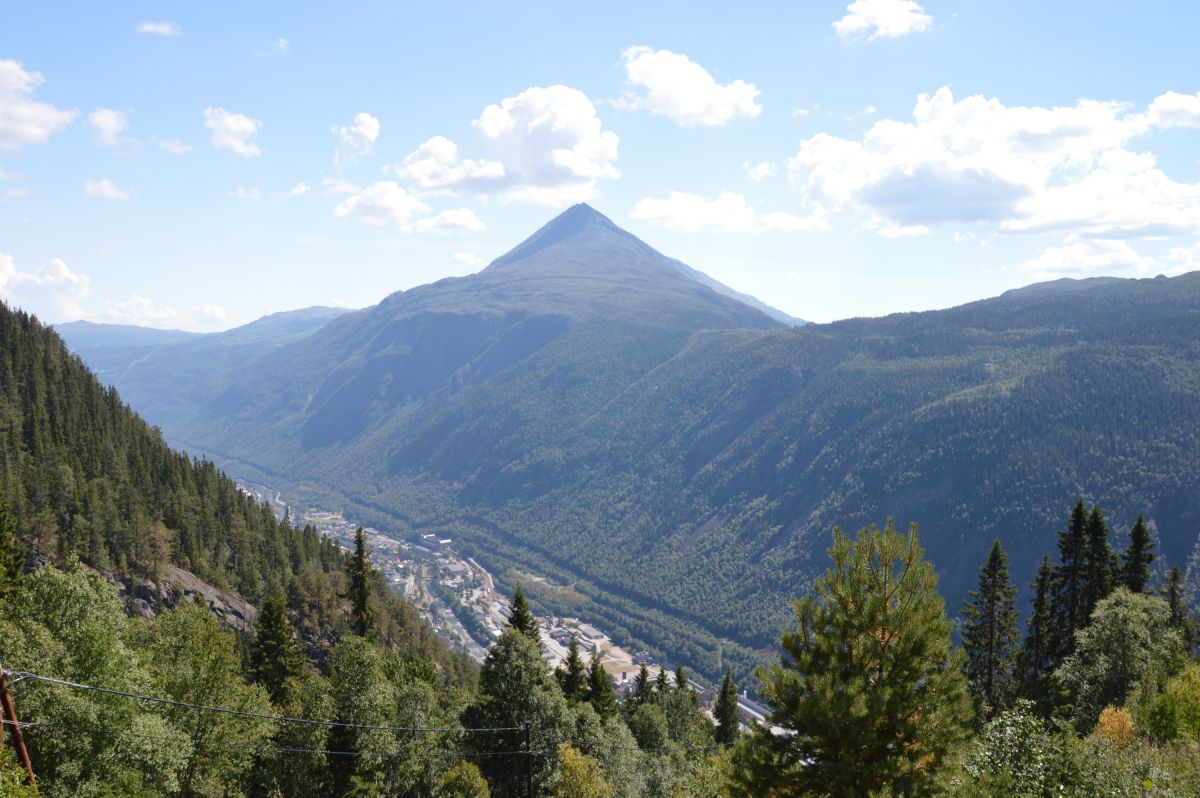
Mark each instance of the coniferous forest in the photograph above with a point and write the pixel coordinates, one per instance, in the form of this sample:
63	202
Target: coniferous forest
337	688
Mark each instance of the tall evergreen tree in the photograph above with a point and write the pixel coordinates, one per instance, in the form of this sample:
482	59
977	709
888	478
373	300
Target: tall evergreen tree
12	553
661	684
360	575
1039	652
1101	564
1069	582
1135	566
990	636
1180	613
521	618
869	687
725	710
642	689
275	656
600	689
573	677
681	680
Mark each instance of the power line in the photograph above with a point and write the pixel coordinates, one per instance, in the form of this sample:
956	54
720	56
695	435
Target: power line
39	727
259	715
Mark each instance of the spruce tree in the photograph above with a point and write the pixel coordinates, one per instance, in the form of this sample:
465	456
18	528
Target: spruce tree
1069	582
869	689
661	685
1101	564
1039	651
573	677
990	636
521	619
1135	566
275	656
1180	618
642	689
681	681
600	689
725	710
360	575
12	554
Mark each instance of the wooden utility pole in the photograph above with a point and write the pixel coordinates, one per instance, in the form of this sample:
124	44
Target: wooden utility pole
14	730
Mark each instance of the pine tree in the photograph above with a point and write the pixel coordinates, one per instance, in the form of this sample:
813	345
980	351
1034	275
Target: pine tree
360	575
661	685
521	618
990	636
275	657
642	689
681	681
869	689
725	710
1101	564
12	554
1135	566
1180	613
1069	582
573	677
1039	652
600	689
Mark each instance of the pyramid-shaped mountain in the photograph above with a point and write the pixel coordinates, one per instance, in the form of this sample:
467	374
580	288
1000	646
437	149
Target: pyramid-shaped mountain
672	460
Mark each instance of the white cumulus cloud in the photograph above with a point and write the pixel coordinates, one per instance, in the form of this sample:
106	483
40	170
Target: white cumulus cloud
385	202
544	146
1186	259
53	291
675	86
140	311
758	172
1015	169
234	132
868	20
355	140
1087	257
108	124
24	120
106	189
449	222
169	29
436	164
728	213
299	190
211	315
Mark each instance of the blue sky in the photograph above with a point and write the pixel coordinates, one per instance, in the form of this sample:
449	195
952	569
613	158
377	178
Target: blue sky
197	165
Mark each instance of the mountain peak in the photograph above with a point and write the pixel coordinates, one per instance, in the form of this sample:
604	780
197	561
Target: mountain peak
580	227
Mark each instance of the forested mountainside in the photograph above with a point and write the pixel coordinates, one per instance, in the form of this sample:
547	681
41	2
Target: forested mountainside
85	478
581	410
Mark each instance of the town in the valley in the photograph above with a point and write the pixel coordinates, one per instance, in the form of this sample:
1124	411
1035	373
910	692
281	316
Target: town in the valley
458	597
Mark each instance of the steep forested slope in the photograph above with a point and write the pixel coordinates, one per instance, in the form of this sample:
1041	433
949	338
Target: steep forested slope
84	477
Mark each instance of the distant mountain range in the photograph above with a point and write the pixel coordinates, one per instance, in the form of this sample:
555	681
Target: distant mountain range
673	457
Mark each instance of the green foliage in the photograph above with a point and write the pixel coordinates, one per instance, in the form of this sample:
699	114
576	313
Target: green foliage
1129	638
726	711
573	678
579	776
600	690
642	689
361	576
649	726
521	618
12	553
1039	652
1135	561
1180	613
1174	713
515	687
275	657
462	781
191	659
990	636
869	691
